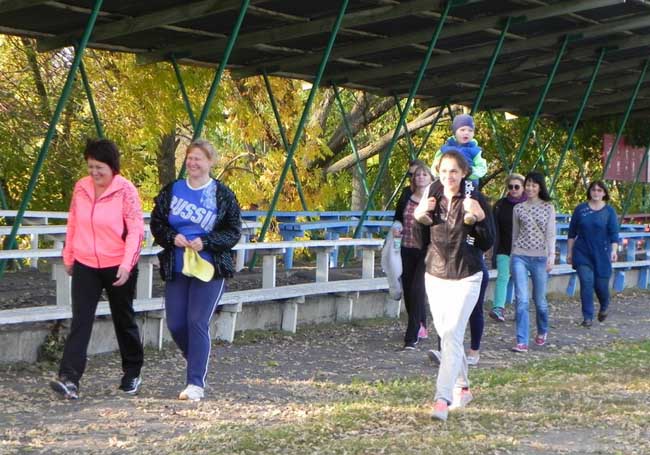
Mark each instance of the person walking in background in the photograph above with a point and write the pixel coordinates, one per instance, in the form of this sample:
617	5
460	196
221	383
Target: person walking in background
196	215
503	243
533	250
461	230
592	247
102	246
414	241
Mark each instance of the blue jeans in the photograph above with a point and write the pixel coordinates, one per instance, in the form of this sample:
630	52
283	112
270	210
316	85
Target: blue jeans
520	266
588	283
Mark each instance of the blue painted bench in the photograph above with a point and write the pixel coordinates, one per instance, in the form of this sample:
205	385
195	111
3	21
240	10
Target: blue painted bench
332	230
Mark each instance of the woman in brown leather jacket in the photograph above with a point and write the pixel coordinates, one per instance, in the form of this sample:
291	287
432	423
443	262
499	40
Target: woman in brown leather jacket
461	228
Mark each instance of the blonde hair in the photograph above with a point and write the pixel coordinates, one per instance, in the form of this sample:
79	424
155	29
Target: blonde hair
206	147
515	176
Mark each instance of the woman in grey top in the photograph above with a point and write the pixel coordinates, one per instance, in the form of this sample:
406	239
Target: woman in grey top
533	250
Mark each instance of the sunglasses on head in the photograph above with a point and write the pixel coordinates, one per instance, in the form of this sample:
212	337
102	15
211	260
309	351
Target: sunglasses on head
513	187
409	174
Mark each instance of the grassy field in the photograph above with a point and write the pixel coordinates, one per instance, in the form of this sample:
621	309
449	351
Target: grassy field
596	402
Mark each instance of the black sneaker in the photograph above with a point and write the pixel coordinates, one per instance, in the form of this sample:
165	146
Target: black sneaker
130	384
602	315
587	323
497	314
65	388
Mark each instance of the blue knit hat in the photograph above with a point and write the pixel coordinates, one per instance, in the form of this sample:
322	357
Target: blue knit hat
462	120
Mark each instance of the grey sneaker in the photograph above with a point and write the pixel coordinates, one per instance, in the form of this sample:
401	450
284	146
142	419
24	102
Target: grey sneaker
130	384
65	388
434	356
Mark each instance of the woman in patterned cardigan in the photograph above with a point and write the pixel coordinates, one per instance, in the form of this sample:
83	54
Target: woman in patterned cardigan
533	250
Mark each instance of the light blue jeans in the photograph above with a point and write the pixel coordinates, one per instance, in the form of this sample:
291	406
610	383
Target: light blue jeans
520	266
504	286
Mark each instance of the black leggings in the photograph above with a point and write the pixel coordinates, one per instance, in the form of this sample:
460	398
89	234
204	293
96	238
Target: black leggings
87	285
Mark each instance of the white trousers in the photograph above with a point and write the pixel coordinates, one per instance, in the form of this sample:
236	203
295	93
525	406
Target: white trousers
451	303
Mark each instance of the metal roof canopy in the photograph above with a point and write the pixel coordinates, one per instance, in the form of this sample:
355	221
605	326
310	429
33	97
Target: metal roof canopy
381	44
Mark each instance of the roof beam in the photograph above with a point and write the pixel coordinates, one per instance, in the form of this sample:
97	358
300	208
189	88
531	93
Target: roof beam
525	101
619	107
131	25
600	100
407	39
484	52
313	27
7	6
532	64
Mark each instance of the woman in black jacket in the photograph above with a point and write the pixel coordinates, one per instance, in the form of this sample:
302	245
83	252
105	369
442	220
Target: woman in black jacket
197	221
461	229
413	249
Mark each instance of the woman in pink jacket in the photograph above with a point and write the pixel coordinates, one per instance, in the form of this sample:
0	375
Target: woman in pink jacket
102	247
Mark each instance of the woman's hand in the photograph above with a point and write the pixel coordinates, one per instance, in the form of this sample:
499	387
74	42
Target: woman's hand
569	258
473	207
613	256
196	244
549	264
181	242
68	269
122	276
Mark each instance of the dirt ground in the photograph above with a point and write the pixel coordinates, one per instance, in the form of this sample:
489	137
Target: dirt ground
259	376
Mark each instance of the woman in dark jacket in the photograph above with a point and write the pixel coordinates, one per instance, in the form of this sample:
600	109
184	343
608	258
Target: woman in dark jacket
412	251
461	230
196	216
503	243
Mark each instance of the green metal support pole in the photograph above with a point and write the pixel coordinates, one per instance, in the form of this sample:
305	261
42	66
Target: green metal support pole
91	101
543	150
51	131
181	86
628	199
3	198
303	121
348	133
540	103
424	143
285	142
407	134
576	120
581	167
230	45
497	140
626	116
407	108
493	60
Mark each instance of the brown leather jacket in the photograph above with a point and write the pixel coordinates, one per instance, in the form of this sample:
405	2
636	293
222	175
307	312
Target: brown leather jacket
456	249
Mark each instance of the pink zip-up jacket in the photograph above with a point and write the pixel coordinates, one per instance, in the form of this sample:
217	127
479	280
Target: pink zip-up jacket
95	234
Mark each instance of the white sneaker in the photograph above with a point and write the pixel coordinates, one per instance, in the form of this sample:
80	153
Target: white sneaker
460	398
473	359
434	356
192	393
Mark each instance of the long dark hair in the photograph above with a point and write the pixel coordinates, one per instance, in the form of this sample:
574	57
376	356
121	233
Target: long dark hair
538	177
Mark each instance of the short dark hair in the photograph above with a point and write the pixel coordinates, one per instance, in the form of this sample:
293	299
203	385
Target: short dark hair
104	151
460	160
601	184
538	177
